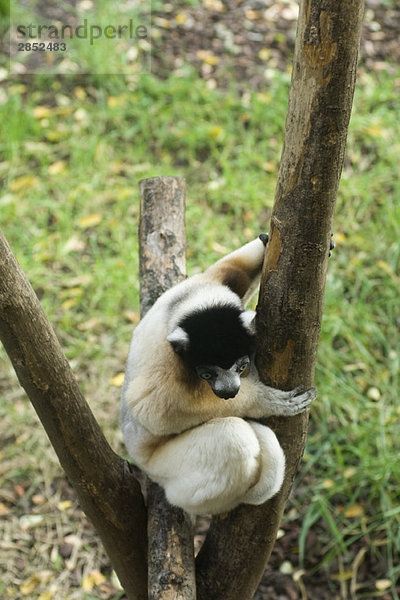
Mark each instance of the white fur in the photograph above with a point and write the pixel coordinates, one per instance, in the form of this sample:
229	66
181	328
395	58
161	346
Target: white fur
197	446
203	296
179	337
248	318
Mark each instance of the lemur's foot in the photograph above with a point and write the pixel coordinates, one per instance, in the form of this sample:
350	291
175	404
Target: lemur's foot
264	238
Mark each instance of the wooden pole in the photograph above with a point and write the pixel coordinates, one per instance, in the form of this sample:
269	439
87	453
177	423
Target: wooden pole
162	247
233	557
105	484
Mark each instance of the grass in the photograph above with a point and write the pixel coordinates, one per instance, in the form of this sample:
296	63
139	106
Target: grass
71	156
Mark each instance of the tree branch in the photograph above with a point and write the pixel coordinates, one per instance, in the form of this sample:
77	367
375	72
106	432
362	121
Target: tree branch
162	247
292	289
105	485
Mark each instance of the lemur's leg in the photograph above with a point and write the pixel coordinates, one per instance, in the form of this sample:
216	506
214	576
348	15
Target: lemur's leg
212	467
240	270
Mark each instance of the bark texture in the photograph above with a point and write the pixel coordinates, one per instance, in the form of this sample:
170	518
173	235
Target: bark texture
105	485
292	289
162	248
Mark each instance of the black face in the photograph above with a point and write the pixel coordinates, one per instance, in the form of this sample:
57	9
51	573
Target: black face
225	383
217	337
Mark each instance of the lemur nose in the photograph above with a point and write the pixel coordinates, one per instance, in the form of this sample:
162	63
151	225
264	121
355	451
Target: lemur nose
230	394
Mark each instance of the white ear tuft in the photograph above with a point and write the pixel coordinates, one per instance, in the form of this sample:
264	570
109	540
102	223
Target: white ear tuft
248	319
178	339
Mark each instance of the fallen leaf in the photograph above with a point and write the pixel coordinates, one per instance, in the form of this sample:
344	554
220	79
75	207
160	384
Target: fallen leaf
216	132
80	115
264	54
68	304
22	183
30	521
27	588
64	505
118	380
90	220
286	568
80	93
94	578
382	264
180	19
41	112
38	499
383	584
355	510
4	510
89	324
57	167
74	244
207	57
349	472
328	484
19	490
216	5
374	394
161	22
132	315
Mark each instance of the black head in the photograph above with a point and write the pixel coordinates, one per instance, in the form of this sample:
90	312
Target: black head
216	335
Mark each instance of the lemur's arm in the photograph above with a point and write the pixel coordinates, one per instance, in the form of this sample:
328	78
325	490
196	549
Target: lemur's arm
240	270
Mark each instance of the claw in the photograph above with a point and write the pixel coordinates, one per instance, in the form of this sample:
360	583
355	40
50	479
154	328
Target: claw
297	390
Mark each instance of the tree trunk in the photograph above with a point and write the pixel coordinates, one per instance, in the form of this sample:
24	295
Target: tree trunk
105	485
162	247
292	289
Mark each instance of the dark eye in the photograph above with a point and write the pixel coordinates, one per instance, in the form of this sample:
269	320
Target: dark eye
243	365
205	375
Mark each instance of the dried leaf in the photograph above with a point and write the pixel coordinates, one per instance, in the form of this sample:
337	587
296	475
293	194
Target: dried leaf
328	484
22	183
81	115
41	112
4	510
207	57
68	304
355	510
286	568
382	264
216	131
28	587
374	394
90	220
132	315
57	167
94	578
180	19
118	380
383	584
89	324
215	5
74	244
30	521
264	54
64	505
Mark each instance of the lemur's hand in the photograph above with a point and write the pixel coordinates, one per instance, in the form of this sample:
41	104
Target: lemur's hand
264	238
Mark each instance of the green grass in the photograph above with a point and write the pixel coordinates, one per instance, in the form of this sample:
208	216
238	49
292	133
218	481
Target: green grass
71	157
